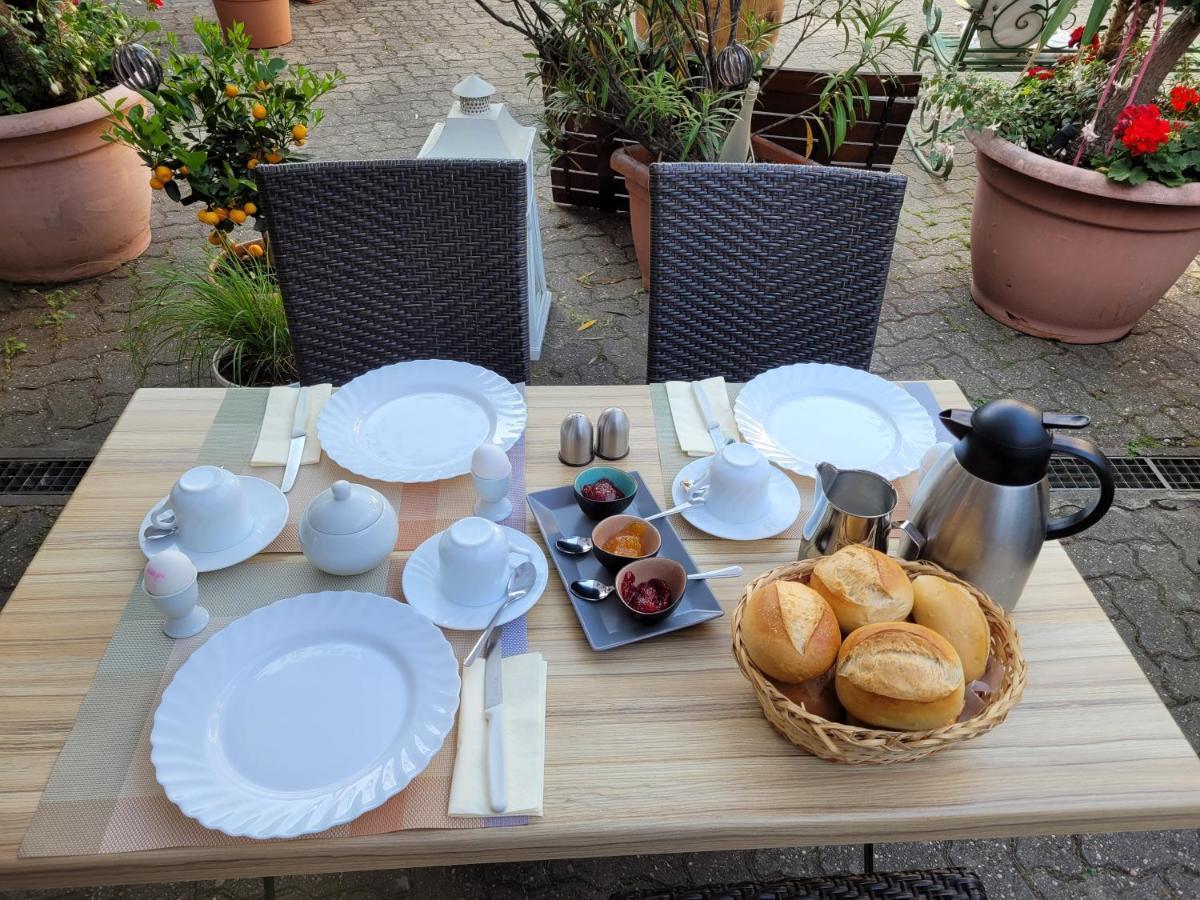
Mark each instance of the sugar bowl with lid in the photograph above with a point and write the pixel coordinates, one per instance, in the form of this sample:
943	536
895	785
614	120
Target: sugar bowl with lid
348	529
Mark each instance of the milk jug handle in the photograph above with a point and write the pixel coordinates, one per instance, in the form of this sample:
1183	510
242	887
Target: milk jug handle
1064	526
914	536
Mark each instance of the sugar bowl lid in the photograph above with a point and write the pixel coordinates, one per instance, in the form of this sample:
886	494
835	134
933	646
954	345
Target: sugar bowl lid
345	508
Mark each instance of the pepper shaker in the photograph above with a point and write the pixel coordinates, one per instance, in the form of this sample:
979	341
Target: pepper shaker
575	440
612	434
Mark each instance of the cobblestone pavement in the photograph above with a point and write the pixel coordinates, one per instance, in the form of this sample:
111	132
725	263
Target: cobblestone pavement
401	59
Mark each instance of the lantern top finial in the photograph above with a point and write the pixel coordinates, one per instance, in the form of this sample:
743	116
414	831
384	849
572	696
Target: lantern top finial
473	88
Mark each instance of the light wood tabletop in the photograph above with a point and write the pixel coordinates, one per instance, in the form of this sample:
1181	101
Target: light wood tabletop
655	747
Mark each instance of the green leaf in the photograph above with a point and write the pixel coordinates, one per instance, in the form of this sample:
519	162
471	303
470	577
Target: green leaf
1094	20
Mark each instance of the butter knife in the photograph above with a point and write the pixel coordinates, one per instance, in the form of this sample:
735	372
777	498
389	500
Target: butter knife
710	418
299	436
493	714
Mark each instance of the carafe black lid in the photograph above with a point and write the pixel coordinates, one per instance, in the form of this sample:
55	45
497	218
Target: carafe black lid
1006	441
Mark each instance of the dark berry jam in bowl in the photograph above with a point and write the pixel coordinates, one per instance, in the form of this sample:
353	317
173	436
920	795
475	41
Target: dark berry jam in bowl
603	491
650	589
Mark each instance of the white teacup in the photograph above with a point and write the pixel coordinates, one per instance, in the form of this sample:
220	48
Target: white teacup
739	481
208	506
473	553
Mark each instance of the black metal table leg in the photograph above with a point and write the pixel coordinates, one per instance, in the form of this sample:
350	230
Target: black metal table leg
869	859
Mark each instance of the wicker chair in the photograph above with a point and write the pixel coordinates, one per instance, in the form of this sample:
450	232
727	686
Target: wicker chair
941	884
758	266
386	261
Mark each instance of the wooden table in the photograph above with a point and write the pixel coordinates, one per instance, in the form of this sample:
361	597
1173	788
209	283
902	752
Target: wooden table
1090	748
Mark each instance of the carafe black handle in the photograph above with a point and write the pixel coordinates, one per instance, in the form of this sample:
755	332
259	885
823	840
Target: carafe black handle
1064	526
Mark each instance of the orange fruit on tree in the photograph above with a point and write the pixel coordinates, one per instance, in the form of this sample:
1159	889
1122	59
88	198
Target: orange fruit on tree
155	184
208	217
184	171
274	157
163	174
258	111
237	216
231	91
249	209
255	250
214	238
222	213
300	132
252	162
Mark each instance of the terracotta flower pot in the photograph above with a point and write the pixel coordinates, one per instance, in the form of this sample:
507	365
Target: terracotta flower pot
634	163
1062	252
267	22
72	205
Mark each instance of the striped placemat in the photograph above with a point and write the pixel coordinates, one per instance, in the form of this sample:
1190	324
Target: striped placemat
102	796
424	509
672	459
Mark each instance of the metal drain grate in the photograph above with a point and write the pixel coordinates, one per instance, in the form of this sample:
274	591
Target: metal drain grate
31	481
1134	473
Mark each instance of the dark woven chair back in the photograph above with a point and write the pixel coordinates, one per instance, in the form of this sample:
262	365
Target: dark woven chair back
755	266
381	262
937	884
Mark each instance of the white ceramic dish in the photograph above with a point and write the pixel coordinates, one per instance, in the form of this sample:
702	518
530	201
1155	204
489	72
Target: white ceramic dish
268	506
422	586
782	510
808	413
420	420
304	714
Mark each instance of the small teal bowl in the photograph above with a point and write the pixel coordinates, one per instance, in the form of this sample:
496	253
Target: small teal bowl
602	509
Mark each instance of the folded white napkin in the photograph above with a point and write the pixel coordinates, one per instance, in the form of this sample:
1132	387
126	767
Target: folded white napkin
524	740
275	436
690	426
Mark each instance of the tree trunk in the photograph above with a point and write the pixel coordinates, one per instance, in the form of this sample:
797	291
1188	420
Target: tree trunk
1111	44
1170	49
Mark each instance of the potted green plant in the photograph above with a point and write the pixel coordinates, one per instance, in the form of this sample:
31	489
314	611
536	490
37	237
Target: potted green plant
677	78
214	118
72	205
1087	207
226	320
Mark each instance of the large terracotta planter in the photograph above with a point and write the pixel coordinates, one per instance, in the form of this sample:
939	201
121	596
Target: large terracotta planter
633	162
1064	253
267	22
72	206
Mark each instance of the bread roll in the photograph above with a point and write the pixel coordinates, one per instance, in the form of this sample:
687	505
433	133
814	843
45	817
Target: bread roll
863	586
951	611
817	695
900	675
790	632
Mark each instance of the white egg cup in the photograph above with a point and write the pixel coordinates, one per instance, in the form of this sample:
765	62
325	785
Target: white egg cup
493	503
184	617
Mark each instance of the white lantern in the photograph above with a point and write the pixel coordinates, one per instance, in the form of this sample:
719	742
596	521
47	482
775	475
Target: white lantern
477	128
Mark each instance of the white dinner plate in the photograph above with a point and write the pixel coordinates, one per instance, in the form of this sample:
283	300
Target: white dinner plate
422	586
784	506
268	506
420	420
304	714
808	413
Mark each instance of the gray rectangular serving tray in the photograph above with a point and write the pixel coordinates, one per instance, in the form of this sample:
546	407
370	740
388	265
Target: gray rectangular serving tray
605	624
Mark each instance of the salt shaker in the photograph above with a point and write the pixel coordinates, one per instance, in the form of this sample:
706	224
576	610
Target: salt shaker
491	473
612	434
575	440
170	581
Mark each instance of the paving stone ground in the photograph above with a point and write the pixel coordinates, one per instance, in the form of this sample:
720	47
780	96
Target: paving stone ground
1142	561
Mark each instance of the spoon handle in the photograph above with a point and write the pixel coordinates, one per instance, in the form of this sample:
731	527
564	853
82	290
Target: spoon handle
670	512
487	632
727	572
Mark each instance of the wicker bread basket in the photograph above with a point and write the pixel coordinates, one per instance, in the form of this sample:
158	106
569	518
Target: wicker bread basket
854	744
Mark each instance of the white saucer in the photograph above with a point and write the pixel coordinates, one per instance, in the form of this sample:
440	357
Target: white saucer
424	594
268	506
784	508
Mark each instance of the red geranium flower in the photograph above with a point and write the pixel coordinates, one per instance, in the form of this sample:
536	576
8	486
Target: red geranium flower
1183	97
1041	73
1077	36
1142	129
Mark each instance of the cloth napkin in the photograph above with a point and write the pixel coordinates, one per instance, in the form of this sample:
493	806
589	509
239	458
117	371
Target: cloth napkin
276	433
690	426
524	739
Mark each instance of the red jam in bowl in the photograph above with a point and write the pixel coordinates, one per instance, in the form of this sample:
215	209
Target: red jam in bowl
646	596
602	491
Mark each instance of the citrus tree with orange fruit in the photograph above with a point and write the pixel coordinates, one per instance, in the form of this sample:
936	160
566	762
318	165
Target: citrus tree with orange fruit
216	116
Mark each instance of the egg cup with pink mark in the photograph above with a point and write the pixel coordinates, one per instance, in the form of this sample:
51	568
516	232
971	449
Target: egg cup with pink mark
170	581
